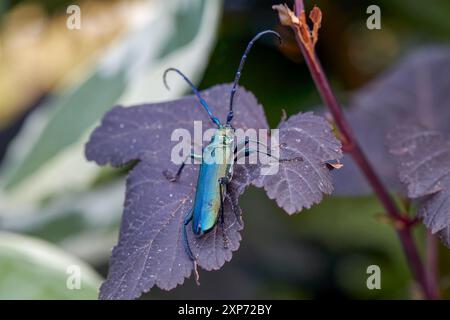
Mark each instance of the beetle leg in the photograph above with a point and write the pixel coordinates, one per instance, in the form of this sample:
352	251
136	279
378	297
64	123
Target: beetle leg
225	181
236	213
238	154
240	145
242	149
174	178
187	247
246	152
222	183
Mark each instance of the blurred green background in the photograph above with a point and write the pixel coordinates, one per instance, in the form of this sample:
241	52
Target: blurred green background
55	84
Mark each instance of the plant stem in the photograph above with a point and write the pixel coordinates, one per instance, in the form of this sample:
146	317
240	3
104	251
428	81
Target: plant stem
431	260
352	147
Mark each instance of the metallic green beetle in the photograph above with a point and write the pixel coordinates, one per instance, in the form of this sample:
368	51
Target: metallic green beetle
218	158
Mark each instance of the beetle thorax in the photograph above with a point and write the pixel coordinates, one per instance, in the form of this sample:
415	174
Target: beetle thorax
224	136
221	148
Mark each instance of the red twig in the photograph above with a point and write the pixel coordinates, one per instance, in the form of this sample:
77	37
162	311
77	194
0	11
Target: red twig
431	261
352	147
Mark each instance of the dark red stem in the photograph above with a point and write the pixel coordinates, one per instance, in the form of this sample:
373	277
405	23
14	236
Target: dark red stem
353	148
431	261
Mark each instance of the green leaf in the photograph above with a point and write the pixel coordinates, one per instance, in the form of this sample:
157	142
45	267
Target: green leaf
84	223
33	269
75	113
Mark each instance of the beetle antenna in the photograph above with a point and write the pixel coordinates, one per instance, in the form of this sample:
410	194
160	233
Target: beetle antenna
241	65
195	90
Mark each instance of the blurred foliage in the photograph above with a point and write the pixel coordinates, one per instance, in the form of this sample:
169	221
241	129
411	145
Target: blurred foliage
29	36
51	142
46	182
319	253
33	269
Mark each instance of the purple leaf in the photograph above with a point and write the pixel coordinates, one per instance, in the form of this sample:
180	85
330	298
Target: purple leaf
150	250
416	91
307	144
423	161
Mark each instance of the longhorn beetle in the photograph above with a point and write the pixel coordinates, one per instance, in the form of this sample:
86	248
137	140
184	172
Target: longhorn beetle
218	158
